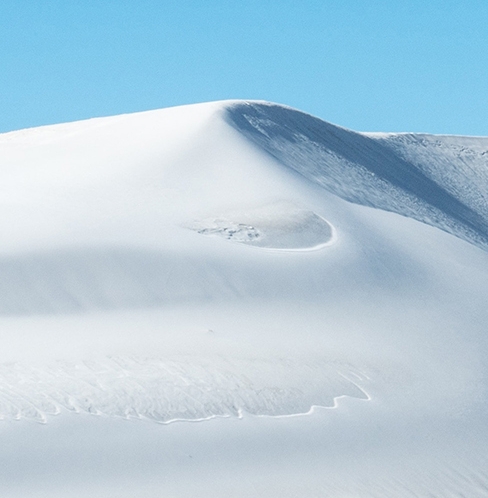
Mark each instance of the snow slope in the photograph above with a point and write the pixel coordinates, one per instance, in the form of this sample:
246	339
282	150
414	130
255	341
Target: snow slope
316	298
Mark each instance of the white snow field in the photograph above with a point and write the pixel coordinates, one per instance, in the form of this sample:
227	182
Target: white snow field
313	299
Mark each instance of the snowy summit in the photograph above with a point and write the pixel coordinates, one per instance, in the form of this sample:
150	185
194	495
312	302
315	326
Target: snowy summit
315	297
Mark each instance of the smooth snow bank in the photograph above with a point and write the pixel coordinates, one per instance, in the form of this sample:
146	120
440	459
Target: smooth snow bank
157	266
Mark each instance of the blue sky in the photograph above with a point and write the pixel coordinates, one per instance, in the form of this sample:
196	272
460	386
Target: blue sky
368	65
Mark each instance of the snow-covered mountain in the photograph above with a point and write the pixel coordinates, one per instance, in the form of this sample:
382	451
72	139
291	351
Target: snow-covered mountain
315	297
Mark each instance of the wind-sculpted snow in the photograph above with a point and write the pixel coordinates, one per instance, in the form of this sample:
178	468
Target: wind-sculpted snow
460	164
169	389
361	169
278	226
222	263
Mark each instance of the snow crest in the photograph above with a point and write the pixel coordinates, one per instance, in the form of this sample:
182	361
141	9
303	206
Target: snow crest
376	171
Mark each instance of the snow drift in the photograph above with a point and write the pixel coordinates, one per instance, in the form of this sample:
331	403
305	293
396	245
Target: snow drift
247	263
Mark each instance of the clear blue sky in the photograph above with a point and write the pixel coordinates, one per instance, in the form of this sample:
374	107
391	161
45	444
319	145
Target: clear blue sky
385	65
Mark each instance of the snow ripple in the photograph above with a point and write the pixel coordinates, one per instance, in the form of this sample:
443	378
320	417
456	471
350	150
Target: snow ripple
165	390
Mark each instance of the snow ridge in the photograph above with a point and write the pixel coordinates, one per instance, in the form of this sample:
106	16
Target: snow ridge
367	170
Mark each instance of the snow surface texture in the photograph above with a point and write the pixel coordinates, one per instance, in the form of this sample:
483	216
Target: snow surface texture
395	172
278	226
316	298
179	389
